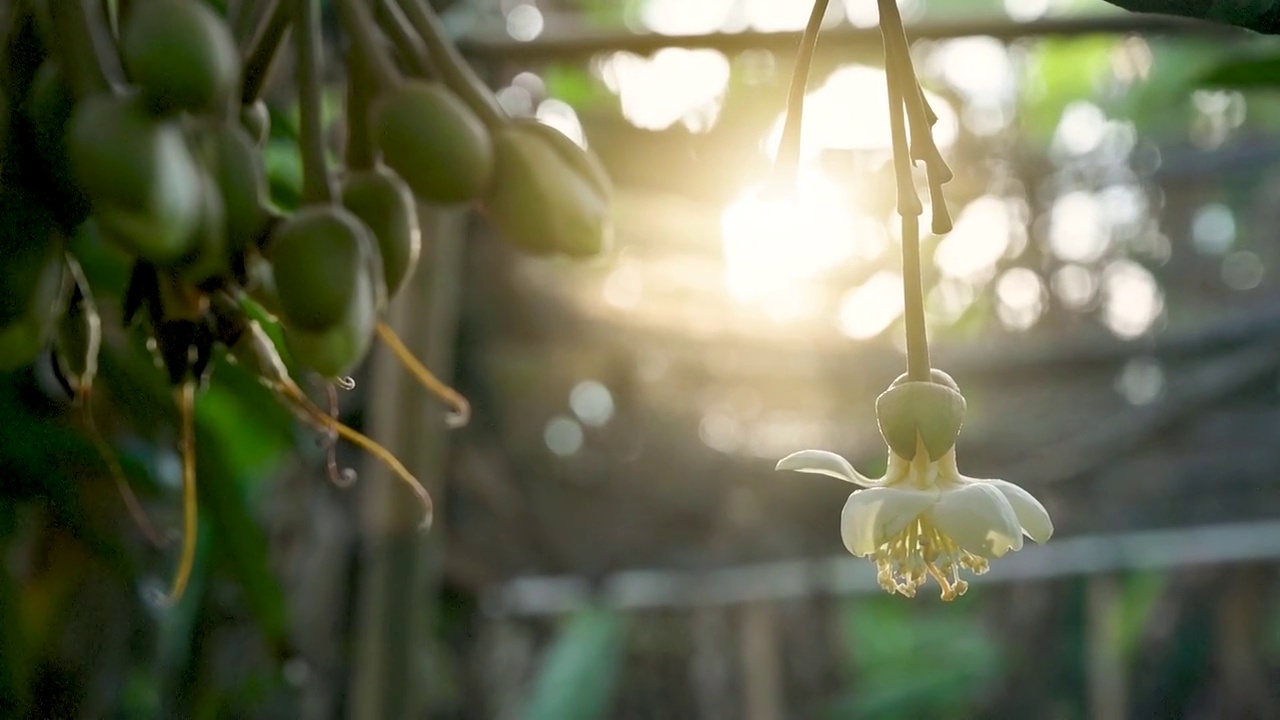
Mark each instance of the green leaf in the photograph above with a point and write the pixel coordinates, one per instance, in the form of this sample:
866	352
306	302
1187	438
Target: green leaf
1258	15
1244	73
581	668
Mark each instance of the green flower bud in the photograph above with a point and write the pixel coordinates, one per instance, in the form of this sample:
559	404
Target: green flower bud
913	411
548	195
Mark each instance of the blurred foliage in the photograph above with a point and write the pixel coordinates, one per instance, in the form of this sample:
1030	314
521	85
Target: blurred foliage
581	668
915	662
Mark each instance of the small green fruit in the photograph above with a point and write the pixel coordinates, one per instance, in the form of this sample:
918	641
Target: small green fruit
141	180
548	195
182	55
433	141
210	255
241	177
384	203
337	351
318	257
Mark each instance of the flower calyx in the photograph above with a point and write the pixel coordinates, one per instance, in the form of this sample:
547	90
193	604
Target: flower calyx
915	414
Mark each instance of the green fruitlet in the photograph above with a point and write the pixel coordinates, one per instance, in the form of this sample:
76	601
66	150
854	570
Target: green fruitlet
181	54
255	118
22	338
241	177
548	195
335	352
28	245
210	254
262	282
384	203
318	257
433	141
141	179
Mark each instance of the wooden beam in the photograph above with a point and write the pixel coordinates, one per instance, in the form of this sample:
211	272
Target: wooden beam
578	43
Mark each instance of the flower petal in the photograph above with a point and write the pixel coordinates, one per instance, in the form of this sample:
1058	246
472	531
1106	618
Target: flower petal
1032	516
821	462
871	517
979	519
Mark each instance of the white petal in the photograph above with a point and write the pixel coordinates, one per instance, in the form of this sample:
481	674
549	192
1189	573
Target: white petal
874	515
821	462
1032	516
979	519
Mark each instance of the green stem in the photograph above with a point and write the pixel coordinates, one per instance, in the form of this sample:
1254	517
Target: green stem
412	50
360	154
366	40
922	117
316	185
454	69
787	162
83	51
261	53
898	79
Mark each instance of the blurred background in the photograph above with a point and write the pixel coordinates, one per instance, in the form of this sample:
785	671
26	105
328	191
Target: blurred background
611	540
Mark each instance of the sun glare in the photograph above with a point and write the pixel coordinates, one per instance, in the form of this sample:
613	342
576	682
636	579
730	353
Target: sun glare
772	243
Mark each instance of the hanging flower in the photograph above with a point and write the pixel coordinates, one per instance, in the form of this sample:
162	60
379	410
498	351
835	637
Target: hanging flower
923	518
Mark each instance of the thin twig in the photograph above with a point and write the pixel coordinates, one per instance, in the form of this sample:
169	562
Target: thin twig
453	67
413	51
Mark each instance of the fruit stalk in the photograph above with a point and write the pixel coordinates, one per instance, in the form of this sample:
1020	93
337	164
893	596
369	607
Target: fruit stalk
454	70
360	154
317	187
261	53
413	52
367	44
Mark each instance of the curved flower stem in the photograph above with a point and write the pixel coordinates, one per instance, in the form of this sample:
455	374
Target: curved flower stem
360	153
186	405
107	455
461	414
454	70
787	162
900	82
921	116
413	51
261	53
317	186
366	40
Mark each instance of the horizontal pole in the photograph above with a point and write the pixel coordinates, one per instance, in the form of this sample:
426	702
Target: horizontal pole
578	44
848	576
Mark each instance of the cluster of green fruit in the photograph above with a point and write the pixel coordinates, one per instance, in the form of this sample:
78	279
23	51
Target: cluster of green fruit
142	122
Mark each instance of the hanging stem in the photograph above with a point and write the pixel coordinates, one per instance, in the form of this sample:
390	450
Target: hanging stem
461	414
921	116
317	187
899	80
107	454
413	51
454	69
787	162
186	406
261	53
366	40
360	153
339	476
272	373
83	52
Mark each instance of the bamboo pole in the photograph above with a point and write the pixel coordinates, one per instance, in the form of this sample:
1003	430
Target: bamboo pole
400	567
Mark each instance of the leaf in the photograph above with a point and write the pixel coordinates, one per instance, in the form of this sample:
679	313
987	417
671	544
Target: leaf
581	668
1259	15
1244	73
